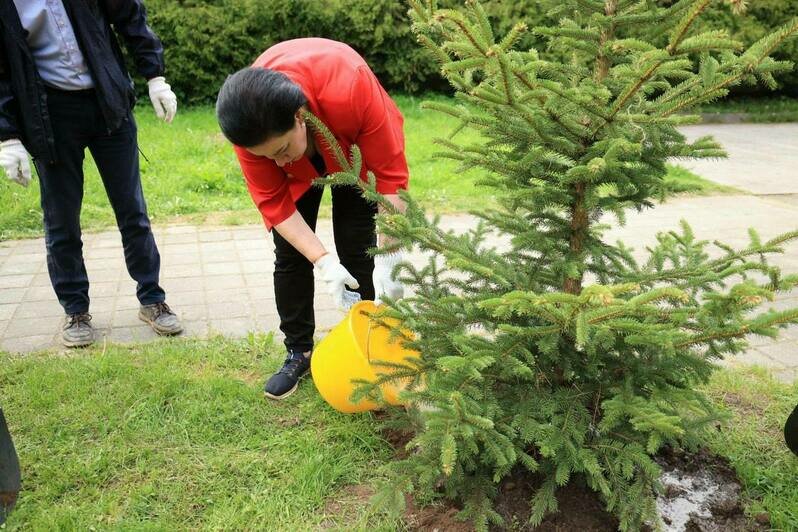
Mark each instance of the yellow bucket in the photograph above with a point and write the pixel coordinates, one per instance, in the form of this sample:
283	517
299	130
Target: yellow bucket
347	353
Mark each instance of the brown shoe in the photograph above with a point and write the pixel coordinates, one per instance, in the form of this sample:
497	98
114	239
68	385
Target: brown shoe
161	319
77	330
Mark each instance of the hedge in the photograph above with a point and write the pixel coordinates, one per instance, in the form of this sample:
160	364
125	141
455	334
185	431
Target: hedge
206	40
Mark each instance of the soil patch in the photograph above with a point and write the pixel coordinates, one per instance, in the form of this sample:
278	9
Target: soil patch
398	438
743	406
350	496
345	505
438	517
701	494
580	508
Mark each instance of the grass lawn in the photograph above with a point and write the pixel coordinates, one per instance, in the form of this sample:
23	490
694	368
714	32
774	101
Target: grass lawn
190	174
774	109
754	441
175	434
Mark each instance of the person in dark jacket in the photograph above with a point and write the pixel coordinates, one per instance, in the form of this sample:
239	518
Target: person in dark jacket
9	471
64	88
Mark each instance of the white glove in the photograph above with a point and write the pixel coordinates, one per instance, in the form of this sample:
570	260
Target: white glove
163	99
384	283
14	160
338	278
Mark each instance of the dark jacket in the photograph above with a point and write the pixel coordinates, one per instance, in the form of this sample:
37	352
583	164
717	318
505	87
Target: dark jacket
23	101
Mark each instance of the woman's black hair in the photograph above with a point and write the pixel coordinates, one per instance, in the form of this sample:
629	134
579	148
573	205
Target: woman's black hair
256	104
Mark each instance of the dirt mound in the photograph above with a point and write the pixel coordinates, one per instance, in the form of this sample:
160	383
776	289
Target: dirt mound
701	494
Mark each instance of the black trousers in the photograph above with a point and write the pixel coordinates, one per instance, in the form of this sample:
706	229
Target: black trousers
78	124
354	232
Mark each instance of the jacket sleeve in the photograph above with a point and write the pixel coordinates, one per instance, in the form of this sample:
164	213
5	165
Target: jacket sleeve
380	137
268	186
9	125
129	18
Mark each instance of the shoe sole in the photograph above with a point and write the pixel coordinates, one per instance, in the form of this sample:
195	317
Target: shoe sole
286	394
85	343
158	330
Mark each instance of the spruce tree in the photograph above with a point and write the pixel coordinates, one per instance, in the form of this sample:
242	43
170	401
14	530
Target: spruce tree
559	352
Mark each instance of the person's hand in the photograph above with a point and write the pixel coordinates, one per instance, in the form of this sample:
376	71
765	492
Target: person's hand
14	160
338	278
384	283
163	99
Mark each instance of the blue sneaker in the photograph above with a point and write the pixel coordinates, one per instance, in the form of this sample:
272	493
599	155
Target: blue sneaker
285	382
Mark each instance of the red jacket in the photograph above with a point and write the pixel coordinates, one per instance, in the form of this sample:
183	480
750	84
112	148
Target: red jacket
344	93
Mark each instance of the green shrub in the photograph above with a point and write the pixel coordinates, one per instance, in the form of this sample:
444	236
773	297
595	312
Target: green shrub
206	40
760	18
203	43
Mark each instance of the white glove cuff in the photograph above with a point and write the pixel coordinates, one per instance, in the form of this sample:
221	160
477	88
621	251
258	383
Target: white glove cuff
158	84
11	143
325	260
389	260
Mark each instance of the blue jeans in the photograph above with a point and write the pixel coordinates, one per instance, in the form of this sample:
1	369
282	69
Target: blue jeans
78	124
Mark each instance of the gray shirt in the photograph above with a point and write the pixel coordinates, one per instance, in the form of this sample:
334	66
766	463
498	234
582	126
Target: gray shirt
52	42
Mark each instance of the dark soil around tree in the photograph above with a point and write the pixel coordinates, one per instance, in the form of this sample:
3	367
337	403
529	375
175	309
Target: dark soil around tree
581	509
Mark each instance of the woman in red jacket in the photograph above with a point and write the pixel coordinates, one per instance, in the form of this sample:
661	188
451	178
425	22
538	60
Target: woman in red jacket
261	111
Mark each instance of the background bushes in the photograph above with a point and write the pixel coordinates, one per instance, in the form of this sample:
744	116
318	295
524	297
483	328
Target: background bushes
206	40
762	16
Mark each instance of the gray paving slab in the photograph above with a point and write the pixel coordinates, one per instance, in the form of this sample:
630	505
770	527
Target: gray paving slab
6	311
213	302
219	279
27	343
786	376
13	295
783	353
36	309
762	158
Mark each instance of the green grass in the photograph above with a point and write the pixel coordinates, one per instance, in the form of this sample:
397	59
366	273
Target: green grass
176	435
754	441
682	181
190	174
774	109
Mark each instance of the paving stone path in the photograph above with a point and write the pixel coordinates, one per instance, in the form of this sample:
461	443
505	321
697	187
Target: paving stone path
219	278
